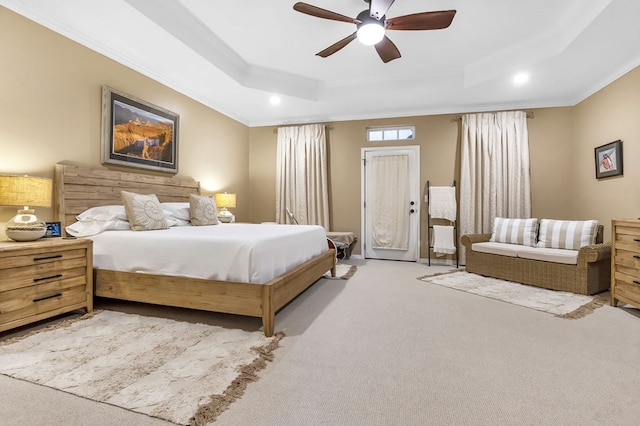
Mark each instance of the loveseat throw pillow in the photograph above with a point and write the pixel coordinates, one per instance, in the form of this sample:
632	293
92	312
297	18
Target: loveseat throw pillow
515	231
567	234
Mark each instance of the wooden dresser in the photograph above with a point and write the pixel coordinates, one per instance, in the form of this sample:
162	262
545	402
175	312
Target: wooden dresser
44	278
625	262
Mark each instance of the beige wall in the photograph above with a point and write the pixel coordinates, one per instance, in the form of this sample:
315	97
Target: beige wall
50	94
438	137
50	111
609	115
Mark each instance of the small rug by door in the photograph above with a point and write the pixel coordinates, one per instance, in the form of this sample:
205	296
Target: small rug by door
343	272
559	303
182	372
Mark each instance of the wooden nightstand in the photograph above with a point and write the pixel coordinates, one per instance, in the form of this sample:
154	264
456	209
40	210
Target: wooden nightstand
44	278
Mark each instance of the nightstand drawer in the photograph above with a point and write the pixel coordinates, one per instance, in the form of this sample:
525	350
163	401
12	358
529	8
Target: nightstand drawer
29	301
31	275
41	258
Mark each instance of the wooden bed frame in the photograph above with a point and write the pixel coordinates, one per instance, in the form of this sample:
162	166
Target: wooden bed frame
78	188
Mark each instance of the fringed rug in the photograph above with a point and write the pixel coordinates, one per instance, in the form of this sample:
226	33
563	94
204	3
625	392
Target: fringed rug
559	303
343	272
181	372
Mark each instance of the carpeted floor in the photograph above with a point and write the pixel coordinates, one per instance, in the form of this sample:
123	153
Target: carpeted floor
384	348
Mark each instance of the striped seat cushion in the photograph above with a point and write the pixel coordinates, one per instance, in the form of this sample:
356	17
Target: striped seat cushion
515	231
567	234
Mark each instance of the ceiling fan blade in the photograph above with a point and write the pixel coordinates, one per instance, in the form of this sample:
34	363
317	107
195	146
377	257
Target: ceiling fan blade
322	13
422	21
336	46
387	50
378	8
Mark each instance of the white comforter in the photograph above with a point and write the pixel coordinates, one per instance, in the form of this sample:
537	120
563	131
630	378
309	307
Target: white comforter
228	252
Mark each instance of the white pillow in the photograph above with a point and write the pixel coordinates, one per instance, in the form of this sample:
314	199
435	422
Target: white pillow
87	228
144	211
515	231
174	221
103	213
203	210
567	234
177	210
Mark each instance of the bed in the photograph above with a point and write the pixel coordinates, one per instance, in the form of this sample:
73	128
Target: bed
78	188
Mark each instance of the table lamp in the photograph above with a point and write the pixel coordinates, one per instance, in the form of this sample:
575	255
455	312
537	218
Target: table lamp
26	191
224	201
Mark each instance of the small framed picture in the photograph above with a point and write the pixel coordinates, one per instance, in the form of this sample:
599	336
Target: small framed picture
609	160
53	230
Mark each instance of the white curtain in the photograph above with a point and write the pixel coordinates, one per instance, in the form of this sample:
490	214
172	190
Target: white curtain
389	201
301	176
494	170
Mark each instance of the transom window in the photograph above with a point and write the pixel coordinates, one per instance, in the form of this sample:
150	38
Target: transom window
390	133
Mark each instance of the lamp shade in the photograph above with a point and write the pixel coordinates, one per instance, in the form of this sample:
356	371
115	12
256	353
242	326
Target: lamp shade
224	200
25	191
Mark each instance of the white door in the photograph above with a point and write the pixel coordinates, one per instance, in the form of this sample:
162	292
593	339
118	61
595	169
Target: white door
390	209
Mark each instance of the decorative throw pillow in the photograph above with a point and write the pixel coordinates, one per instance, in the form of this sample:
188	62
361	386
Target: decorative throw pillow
515	231
567	234
203	210
143	211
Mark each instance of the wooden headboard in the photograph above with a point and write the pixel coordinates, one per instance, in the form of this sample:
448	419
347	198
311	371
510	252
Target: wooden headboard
78	188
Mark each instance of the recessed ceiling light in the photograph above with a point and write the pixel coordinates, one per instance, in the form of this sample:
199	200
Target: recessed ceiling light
274	100
520	78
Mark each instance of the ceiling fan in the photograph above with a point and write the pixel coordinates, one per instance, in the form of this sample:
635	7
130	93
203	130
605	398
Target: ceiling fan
372	23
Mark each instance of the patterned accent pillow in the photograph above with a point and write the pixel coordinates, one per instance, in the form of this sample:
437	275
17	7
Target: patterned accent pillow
203	210
143	211
567	234
515	231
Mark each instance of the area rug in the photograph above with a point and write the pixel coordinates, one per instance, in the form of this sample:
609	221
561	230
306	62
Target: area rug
181	372
559	303
343	272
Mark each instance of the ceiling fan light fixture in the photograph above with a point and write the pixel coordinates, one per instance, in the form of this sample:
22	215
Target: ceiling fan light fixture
370	30
370	34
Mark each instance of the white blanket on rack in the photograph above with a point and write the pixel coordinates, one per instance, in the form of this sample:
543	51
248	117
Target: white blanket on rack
442	202
443	240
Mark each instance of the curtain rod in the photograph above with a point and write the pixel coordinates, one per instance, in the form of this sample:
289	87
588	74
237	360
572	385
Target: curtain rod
459	117
326	126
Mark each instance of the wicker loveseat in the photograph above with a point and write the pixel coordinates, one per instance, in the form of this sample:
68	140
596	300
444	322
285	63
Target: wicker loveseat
590	275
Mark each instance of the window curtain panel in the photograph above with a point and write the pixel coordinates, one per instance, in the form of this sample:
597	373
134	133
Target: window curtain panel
494	171
301	176
389	201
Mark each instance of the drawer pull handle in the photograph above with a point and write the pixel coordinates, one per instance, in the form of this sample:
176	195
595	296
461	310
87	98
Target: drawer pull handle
635	256
55	256
636	282
39	299
637	240
35	280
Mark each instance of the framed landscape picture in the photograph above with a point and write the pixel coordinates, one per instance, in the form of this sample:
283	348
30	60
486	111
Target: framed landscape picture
609	160
138	134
